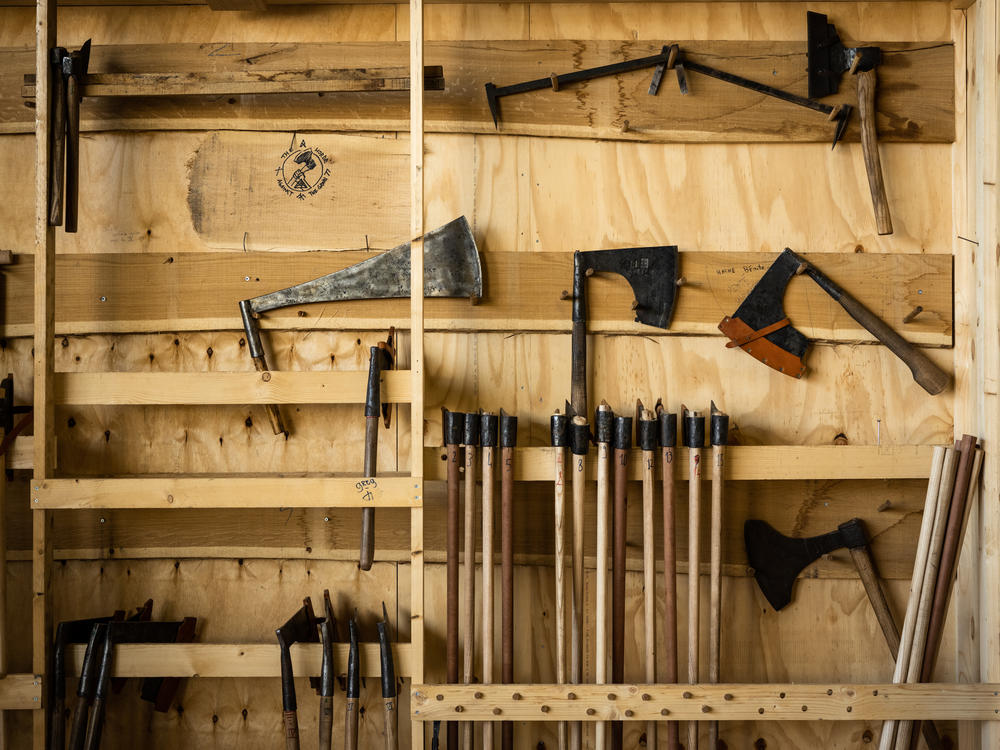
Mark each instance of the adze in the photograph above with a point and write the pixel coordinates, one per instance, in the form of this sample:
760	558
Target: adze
761	329
777	561
828	59
451	269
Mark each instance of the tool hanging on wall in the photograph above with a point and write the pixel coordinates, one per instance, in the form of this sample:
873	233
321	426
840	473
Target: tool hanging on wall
68	76
453	425
828	60
604	420
559	434
652	274
353	692
623	445
470	439
508	440
488	438
299	628
579	440
694	439
389	689
328	670
451	269
381	357
761	328
646	438
160	691
718	437
667	438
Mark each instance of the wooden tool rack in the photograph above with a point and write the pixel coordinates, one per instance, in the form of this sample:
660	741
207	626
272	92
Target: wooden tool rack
977	365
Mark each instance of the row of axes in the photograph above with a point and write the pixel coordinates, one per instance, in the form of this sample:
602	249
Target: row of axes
102	634
305	627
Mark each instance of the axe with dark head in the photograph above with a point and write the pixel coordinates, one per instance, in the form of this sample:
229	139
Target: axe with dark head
652	274
451	269
761	329
828	60
777	560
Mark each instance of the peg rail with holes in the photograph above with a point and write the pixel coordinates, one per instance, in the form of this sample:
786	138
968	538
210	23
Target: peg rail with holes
240	448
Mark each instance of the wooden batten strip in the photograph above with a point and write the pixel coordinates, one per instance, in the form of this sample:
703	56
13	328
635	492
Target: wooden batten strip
236	659
20	692
145	388
227	492
746	462
771	702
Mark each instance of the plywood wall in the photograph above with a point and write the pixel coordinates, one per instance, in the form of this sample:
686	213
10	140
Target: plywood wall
165	194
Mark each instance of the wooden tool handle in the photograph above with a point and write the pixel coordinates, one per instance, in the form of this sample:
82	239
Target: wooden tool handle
78	730
869	147
578	384
469	574
862	558
507	582
601	614
57	727
273	415
927	374
72	154
489	459
57	168
96	725
290	720
559	506
649	578
367	555
694	577
391	735
326	722
351	724
669	583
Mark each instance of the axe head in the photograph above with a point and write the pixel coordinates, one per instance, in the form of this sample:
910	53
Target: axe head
650	271
828	59
494	102
760	327
777	559
299	629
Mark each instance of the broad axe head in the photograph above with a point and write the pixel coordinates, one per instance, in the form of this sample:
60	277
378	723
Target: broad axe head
300	627
777	559
781	347
828	58
650	271
494	102
76	63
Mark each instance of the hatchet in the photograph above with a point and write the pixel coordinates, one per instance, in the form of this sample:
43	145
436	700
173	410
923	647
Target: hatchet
828	60
328	634
451	269
777	560
761	329
300	628
652	274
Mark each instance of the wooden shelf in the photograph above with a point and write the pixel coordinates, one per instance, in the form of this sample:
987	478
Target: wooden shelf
236	659
772	702
228	492
20	692
743	462
199	388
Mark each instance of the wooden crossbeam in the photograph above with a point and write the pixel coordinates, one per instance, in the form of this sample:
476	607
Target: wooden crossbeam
227	492
235	659
771	702
745	462
144	388
20	692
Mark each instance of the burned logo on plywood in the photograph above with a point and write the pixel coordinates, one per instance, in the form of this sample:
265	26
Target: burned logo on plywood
304	170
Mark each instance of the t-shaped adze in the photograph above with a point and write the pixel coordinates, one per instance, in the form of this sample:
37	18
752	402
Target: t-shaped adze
761	329
777	560
828	59
451	269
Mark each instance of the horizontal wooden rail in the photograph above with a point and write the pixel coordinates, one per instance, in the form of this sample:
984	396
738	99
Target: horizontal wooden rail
226	387
227	492
236	659
747	462
20	692
737	702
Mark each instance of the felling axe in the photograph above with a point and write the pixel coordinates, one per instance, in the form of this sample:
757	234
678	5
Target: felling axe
761	329
828	60
652	274
451	269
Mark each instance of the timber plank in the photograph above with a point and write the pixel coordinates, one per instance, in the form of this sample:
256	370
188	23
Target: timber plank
20	692
199	291
615	108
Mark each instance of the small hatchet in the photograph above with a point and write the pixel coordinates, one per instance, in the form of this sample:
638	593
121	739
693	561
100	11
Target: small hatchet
451	269
761	329
777	560
300	628
828	60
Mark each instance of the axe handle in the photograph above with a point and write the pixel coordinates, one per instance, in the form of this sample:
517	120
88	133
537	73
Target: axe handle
367	556
869	148
451	644
78	731
72	153
603	492
649	576
57	168
928	375
273	415
350	725
391	735
694	578
715	579
669	583
469	576
290	721
489	459
578	385
618	584
507	582
326	722
559	503
576	615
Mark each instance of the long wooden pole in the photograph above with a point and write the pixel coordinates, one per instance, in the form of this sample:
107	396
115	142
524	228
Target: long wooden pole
667	435
3	596
719	437
558	429
452	437
603	424
579	445
508	439
623	445
646	437
470	440
694	439
488	436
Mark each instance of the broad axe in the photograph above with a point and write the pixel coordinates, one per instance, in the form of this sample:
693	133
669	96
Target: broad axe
652	274
828	60
761	329
300	628
777	560
451	269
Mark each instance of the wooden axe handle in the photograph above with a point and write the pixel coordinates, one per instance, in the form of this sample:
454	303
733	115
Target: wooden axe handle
869	147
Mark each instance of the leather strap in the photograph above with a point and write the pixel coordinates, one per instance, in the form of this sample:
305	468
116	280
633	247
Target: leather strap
748	338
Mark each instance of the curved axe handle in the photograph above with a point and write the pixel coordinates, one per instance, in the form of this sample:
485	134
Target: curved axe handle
869	148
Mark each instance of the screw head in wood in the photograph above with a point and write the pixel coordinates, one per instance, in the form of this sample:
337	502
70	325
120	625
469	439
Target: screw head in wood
686	695
516	696
647	697
727	697
478	696
497	711
611	696
629	712
571	696
458	709
591	712
664	712
544	709
706	709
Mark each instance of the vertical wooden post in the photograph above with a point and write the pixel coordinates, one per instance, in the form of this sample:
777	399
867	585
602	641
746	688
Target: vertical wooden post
45	256
417	350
